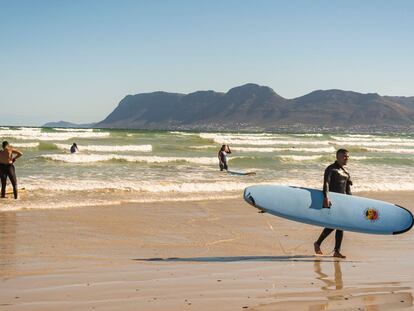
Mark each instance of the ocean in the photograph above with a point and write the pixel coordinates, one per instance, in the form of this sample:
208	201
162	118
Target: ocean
121	166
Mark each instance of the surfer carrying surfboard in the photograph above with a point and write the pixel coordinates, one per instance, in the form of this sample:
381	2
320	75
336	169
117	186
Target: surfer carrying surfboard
7	168
222	156
336	179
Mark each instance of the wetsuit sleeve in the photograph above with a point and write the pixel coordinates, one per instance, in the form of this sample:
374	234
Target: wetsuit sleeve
326	181
348	186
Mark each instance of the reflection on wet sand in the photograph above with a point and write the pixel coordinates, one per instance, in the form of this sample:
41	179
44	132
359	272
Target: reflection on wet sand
333	295
324	278
7	242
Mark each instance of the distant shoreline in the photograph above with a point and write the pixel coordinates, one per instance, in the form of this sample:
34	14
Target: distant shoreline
285	129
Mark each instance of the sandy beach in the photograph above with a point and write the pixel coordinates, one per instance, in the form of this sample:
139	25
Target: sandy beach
200	255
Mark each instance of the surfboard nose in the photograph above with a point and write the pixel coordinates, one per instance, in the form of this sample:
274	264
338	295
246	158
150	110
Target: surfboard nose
248	197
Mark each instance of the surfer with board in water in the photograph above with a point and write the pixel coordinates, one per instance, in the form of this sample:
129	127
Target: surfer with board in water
7	168
336	179
222	156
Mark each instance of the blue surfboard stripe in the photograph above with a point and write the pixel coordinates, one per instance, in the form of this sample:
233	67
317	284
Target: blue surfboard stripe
350	213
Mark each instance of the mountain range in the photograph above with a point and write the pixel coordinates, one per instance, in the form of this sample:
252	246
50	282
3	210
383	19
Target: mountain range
255	107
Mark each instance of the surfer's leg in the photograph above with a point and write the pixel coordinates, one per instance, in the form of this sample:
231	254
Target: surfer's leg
338	241
317	244
317	249
3	177
324	235
12	176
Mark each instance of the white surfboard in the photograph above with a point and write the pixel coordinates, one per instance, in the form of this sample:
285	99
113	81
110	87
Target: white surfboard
241	173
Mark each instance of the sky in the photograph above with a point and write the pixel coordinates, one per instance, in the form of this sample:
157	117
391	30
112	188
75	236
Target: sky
75	60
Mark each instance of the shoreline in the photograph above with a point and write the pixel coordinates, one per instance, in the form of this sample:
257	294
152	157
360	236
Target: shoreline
396	197
195	256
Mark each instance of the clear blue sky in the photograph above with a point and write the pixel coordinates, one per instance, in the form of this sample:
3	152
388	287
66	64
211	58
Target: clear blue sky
76	59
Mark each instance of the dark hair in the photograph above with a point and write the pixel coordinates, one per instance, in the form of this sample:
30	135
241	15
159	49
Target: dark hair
5	144
223	147
339	151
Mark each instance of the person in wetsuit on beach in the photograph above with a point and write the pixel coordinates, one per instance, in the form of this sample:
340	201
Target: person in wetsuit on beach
336	179
7	168
222	156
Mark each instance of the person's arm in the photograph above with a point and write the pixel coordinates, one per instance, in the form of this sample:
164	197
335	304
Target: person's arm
326	181
348	186
228	149
17	153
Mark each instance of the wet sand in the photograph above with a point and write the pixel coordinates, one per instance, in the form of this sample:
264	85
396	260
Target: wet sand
219	255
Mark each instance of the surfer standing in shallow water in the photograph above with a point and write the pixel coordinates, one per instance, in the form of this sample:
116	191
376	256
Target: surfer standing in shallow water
74	148
7	168
222	156
336	179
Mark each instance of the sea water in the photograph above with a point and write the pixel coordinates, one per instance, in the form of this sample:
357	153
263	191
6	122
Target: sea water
120	166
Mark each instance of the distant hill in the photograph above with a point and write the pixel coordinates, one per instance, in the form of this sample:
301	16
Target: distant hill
254	107
65	124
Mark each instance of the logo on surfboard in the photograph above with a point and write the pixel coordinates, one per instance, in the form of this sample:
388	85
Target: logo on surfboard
371	214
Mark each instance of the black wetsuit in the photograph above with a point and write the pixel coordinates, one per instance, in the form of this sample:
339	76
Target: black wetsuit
223	160
336	179
8	170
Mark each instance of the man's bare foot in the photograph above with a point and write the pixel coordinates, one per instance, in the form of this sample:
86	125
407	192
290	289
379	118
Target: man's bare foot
338	255
317	249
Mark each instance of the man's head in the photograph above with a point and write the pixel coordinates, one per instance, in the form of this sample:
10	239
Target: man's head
342	156
5	144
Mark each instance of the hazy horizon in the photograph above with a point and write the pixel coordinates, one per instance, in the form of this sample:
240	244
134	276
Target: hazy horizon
75	60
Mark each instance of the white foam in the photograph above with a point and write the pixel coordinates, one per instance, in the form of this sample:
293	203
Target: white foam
374	143
91	158
272	142
294	149
182	133
29	129
72	129
26	145
203	147
109	148
223	138
359	135
299	158
37	134
263	139
308	135
252	136
134	185
361	158
391	150
373	139
197	187
384	186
